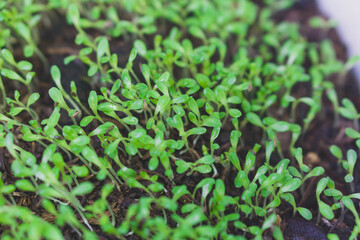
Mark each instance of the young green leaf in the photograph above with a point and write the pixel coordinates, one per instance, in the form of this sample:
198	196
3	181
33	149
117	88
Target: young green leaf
82	189
25	185
130	120
162	105
305	213
336	151
57	97
352	133
24	65
325	210
102	48
80	171
269	221
291	185
56	75
7	55
32	99
196	131
11	75
254	119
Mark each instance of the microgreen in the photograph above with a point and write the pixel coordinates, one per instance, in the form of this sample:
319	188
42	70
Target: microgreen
193	128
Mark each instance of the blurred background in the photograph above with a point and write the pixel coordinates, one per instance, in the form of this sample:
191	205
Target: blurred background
347	15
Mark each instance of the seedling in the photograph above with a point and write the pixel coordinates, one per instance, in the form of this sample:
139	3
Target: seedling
349	111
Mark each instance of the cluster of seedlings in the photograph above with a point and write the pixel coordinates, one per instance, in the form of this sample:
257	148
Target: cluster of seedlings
193	131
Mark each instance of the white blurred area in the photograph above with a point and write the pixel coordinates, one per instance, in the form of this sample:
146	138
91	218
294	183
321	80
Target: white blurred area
347	14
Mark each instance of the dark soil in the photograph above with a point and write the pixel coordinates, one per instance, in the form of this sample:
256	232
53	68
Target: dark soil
58	42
